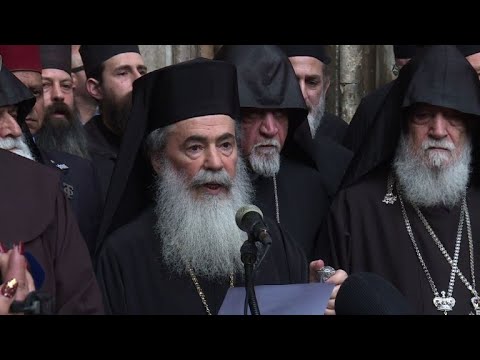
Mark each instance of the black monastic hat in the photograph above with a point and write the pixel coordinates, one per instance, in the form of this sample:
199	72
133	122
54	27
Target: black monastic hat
317	51
405	51
56	57
94	55
193	88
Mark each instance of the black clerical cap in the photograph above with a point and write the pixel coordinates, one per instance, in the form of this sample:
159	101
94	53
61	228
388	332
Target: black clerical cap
190	89
404	51
452	84
316	51
468	50
94	55
13	92
56	57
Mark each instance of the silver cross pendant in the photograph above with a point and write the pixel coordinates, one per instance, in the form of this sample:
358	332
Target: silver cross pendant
476	304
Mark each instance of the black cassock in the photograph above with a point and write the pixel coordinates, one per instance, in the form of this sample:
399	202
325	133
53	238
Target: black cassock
302	200
134	279
369	235
333	127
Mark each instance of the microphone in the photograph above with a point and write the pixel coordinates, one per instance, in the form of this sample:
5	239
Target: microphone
369	294
249	218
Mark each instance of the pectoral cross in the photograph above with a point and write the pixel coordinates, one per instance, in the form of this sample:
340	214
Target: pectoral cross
476	304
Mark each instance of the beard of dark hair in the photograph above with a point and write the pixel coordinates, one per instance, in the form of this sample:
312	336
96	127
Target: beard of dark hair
200	232
425	180
66	135
116	114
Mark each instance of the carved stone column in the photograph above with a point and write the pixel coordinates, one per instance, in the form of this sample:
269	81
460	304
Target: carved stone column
356	76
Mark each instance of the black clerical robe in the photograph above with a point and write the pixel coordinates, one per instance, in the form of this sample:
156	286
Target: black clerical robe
333	127
302	201
103	147
134	279
369	235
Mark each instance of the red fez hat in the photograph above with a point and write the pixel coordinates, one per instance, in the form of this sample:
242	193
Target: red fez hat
21	57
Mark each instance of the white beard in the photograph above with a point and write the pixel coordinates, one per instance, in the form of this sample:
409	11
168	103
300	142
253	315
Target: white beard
201	231
265	163
426	179
16	146
316	114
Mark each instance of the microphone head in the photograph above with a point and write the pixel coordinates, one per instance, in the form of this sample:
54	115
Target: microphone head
243	211
369	294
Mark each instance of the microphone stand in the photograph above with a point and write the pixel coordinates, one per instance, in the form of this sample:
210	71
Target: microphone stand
248	253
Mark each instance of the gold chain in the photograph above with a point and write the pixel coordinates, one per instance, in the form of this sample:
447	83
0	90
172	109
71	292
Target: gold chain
200	291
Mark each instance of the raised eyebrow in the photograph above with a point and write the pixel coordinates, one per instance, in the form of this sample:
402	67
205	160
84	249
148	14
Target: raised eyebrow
123	67
226	136
196	138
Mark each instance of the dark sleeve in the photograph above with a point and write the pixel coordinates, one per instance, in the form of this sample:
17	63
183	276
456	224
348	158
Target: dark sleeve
76	286
296	259
323	249
356	130
337	232
110	281
94	213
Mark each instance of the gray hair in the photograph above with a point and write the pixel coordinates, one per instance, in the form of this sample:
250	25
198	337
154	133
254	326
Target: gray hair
156	141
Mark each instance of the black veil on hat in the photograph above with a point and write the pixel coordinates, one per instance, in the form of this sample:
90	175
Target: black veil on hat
317	51
160	98
56	57
94	55
440	75
405	51
266	80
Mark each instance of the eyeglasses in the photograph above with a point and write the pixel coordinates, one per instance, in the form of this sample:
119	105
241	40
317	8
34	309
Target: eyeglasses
78	69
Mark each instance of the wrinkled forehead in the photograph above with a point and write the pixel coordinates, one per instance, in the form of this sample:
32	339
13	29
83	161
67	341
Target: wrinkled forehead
431	109
132	59
55	74
208	125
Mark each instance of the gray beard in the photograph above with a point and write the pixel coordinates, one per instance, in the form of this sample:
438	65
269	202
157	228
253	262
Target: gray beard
316	114
201	231
265	163
66	136
17	146
432	183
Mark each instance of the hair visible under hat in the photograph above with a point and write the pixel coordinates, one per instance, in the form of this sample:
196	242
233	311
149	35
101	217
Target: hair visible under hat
56	57
94	55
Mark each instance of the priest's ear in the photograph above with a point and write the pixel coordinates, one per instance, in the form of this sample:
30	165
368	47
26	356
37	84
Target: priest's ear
94	89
